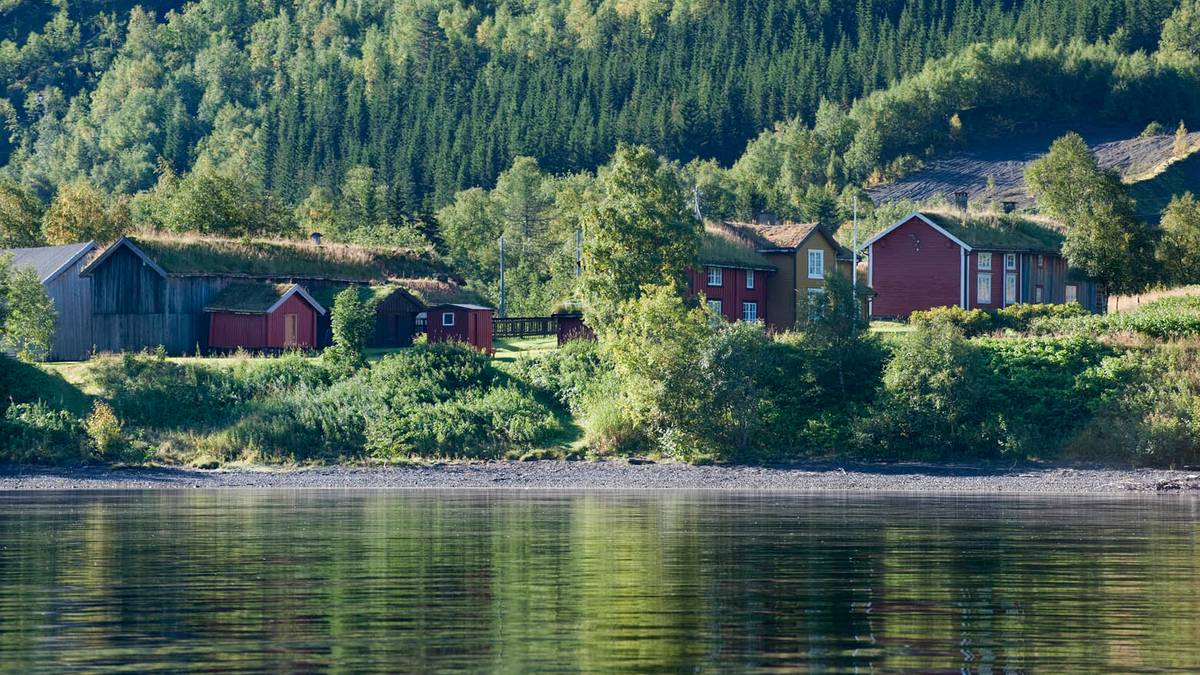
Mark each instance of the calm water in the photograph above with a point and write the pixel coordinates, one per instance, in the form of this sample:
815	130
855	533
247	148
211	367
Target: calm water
518	582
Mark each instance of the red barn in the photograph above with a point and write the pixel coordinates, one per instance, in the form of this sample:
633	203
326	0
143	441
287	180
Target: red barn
732	276
451	322
259	315
931	259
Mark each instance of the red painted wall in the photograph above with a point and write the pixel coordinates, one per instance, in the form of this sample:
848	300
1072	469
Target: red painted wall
473	326
260	331
914	267
732	292
306	323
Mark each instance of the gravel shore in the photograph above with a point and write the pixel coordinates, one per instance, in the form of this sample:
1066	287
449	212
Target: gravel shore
1031	479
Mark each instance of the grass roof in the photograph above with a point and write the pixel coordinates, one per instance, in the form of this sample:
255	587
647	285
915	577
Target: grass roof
436	292
720	247
195	255
1000	231
254	297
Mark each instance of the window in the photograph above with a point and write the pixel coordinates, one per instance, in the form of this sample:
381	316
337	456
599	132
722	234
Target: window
1041	260
1010	289
716	276
447	318
1010	261
815	295
749	312
983	288
816	263
715	306
1037	294
749	279
1072	293
985	261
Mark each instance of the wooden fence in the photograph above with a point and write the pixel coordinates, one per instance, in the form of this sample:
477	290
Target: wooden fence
524	326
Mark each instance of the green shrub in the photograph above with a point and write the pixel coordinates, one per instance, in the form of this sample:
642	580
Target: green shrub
277	376
37	433
969	321
1146	409
565	373
430	373
935	391
1019	317
105	433
149	391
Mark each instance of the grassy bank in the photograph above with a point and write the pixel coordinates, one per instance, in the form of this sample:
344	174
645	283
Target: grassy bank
1030	383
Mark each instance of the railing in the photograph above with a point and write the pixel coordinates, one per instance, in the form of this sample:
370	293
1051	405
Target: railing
524	326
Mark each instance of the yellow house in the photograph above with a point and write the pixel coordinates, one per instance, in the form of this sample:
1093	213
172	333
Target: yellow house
803	253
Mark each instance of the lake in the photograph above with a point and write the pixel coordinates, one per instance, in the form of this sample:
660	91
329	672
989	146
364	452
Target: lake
595	581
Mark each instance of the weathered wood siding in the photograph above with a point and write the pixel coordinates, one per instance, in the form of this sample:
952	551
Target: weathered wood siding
732	292
395	321
72	296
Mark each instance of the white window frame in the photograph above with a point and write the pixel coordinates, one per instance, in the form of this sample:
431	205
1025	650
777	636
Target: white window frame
817	271
984	261
749	279
716	307
983	291
1010	262
716	276
1071	293
447	318
750	312
1010	284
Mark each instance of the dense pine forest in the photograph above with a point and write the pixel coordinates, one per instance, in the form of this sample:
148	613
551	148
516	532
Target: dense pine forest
439	95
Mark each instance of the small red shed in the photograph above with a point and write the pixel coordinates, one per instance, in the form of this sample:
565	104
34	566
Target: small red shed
451	322
260	315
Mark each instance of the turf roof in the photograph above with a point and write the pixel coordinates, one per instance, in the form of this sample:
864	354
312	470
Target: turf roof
190	255
252	297
1008	232
720	247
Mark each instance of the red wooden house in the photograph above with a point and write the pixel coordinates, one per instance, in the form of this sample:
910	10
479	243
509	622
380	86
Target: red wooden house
732	276
452	322
260	315
931	259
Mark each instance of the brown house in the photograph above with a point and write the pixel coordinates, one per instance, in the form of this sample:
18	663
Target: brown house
802	253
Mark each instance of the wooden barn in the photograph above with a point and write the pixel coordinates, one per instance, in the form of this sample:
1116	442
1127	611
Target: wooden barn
932	259
396	311
261	315
58	267
151	291
471	324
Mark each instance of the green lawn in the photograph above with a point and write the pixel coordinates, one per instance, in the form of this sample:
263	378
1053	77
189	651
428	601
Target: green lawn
510	349
890	327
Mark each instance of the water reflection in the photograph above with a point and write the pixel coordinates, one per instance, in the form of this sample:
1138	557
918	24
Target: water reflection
594	582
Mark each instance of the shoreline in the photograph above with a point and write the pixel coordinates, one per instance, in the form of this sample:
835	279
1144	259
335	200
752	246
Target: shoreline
1044	479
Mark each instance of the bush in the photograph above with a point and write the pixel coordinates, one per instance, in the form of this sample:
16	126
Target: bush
1019	317
104	431
149	391
566	373
935	390
969	321
37	433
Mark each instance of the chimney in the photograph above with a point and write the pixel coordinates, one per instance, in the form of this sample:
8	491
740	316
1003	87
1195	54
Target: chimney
960	200
316	238
766	218
1008	207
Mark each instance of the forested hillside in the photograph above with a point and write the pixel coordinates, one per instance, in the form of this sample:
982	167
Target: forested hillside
437	95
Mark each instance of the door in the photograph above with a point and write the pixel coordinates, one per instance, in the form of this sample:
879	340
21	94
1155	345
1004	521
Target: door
291	332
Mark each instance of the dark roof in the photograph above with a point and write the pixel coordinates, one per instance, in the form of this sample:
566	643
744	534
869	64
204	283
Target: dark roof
435	291
256	297
1001	231
190	255
464	306
722	247
48	261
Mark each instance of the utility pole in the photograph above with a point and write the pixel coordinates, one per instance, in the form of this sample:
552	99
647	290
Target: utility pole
502	313
854	244
578	253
